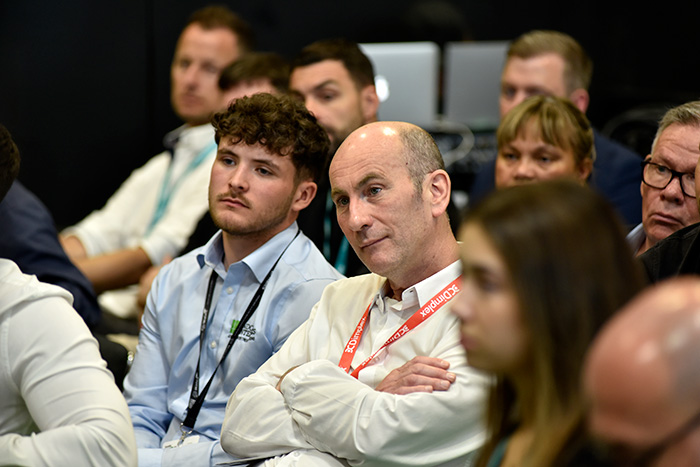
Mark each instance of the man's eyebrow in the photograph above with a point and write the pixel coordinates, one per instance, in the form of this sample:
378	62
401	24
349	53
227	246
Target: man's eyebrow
336	192
323	84
225	150
315	87
367	179
271	160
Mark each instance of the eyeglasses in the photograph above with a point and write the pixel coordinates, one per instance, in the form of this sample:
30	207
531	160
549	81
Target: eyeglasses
621	455
659	176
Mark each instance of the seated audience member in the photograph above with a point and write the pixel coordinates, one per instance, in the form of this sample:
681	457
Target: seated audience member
59	404
149	218
256	280
335	79
254	72
643	382
668	206
29	238
545	265
376	375
555	64
541	138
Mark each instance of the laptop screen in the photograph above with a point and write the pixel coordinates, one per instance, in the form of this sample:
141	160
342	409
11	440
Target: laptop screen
407	80
473	81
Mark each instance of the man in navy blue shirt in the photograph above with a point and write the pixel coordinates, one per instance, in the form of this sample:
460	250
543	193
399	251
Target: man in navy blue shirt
553	63
29	238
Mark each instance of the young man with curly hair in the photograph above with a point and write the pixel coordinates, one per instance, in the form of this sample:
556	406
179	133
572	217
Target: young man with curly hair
255	281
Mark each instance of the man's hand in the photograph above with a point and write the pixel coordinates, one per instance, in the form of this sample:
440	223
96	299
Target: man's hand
420	374
145	283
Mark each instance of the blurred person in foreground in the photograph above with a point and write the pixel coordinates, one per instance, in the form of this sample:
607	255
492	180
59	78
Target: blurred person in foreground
545	265
642	379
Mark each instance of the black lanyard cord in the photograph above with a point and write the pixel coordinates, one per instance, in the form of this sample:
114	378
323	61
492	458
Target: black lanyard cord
197	398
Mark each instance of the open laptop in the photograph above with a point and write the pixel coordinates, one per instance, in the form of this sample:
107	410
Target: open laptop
473	81
407	80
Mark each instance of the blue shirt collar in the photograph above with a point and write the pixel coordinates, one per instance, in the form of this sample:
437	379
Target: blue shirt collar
259	262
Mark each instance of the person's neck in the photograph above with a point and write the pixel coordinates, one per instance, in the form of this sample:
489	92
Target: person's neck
525	396
443	253
195	124
646	244
237	247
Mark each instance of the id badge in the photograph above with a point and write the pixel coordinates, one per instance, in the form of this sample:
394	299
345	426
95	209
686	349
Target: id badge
176	443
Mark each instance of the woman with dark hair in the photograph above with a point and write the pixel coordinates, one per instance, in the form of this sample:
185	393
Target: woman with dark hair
545	265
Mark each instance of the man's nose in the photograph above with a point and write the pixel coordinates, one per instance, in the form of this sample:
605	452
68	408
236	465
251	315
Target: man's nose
673	191
238	181
358	215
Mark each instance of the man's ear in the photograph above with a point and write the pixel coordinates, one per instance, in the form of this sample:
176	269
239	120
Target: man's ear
580	99
369	102
438	188
304	194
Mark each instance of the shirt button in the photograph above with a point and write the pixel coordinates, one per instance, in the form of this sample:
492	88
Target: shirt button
213	344
229	290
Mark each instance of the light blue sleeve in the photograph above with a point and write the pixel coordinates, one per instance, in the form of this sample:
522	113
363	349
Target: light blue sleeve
146	384
295	309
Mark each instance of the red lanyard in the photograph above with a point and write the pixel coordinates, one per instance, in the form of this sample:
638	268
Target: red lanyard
418	317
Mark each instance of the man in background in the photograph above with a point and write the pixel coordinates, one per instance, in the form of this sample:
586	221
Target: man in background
668	178
553	63
150	217
253	73
29	238
335	79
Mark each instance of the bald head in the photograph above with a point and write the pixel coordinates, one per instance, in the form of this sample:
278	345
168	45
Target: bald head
415	145
391	193
642	373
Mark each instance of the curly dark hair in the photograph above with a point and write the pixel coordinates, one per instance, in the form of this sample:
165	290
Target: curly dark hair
9	161
282	125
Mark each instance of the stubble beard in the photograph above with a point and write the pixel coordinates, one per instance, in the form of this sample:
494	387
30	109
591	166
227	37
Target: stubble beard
260	223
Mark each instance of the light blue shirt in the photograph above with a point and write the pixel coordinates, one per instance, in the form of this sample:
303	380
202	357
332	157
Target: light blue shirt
158	386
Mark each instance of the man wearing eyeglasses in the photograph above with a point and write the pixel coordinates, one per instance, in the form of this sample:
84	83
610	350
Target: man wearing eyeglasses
642	379
668	178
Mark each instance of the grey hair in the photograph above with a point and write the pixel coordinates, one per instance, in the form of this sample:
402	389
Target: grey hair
687	114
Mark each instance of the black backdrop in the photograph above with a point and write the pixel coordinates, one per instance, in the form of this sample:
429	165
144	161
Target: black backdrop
84	85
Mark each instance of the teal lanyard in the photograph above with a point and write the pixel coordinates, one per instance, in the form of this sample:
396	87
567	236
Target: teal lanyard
341	261
167	189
